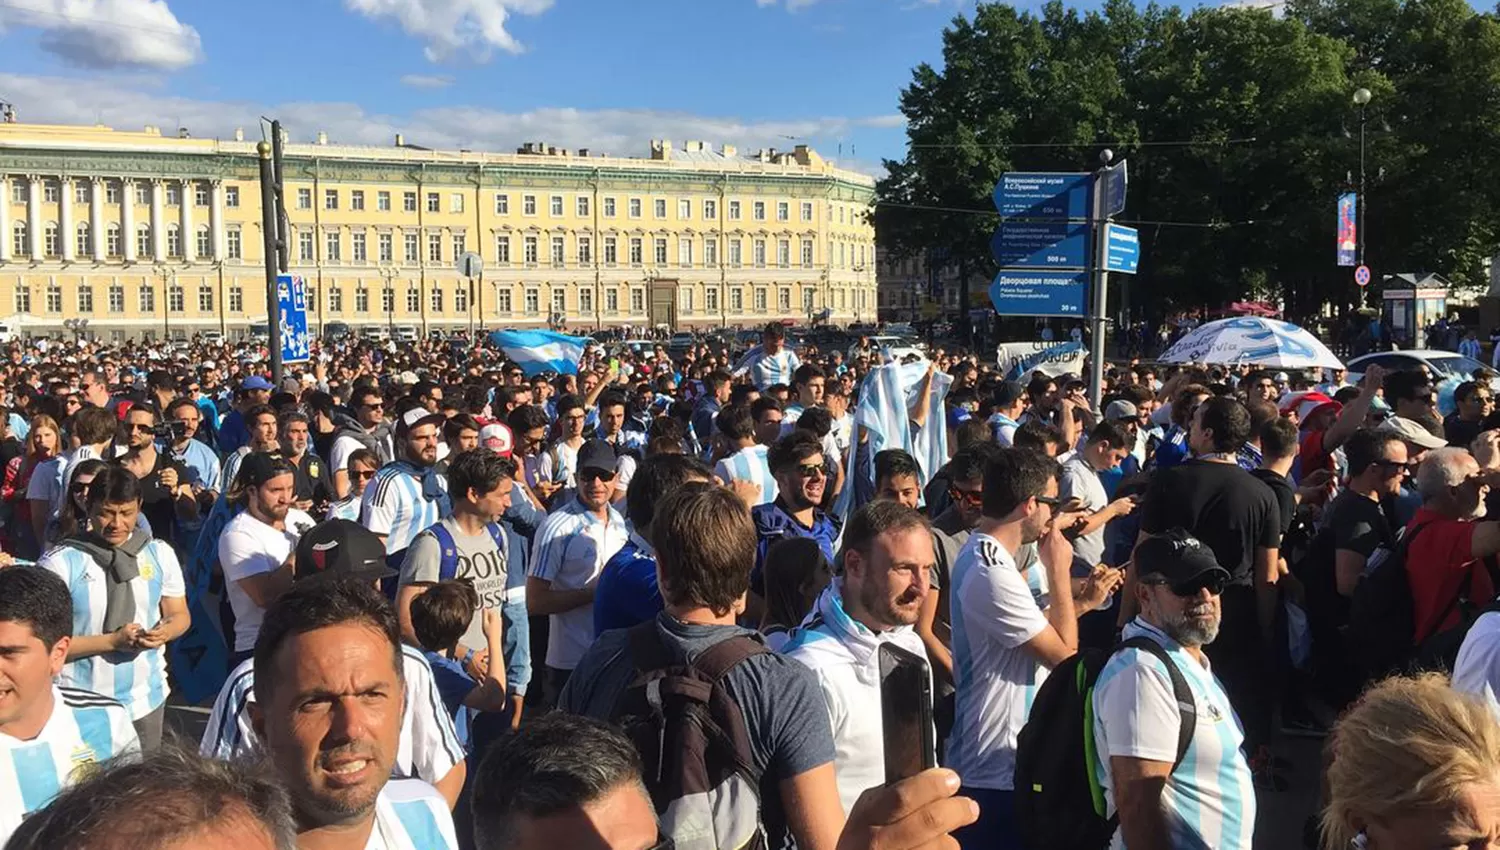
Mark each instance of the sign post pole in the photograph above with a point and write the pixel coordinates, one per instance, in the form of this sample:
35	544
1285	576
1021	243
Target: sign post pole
269	230
1098	311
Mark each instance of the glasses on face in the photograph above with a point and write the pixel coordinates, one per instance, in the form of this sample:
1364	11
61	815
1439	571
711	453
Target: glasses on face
375	406
363	474
142	429
1394	466
811	470
1214	581
588	475
72	401
78	488
972	498
1050	501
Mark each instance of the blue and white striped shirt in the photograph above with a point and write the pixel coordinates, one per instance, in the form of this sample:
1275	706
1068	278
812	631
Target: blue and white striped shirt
1210	798
749	464
412	815
767	369
136	680
85	729
394	505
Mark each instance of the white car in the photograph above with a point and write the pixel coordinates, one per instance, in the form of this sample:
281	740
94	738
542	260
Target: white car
1443	365
407	333
374	333
212	338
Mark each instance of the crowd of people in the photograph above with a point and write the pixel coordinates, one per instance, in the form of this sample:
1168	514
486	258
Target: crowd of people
439	599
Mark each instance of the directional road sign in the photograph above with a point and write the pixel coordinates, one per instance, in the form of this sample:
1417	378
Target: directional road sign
1362	275
1116	181
291	312
1039	293
1041	244
470	265
1043	195
1122	248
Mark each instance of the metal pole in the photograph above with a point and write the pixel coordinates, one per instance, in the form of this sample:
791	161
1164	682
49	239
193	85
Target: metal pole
1098	310
1359	209
268	230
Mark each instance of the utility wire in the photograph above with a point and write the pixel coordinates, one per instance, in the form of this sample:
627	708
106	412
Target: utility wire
1144	222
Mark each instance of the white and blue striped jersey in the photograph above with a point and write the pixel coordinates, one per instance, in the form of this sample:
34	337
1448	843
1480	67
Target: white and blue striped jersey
749	464
570	550
993	612
1210	798
394	506
345	508
767	369
85	729
411	815
232	465
428	747
137	680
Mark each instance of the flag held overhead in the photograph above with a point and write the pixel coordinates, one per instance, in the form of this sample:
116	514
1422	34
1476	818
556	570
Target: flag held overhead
541	351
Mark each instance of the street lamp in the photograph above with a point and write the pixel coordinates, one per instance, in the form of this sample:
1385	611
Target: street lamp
1361	99
389	273
167	275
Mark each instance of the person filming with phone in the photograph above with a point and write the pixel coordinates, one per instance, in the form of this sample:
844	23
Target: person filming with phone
888	562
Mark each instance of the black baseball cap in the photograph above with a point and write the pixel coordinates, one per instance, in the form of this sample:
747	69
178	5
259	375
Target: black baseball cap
1008	393
1178	558
598	456
341	549
259	467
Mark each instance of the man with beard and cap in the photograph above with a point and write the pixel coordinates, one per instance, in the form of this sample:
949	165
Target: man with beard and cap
888	560
328	711
129	601
1004	644
1206	796
255	548
407	495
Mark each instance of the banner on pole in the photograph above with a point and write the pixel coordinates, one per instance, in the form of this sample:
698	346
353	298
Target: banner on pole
1348	225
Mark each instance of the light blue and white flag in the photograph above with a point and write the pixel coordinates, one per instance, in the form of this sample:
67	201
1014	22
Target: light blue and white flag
541	351
885	399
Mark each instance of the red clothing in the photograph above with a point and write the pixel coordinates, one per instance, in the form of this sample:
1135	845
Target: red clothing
1436	562
1312	454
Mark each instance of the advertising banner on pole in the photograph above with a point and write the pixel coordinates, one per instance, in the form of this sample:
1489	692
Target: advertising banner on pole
1348	227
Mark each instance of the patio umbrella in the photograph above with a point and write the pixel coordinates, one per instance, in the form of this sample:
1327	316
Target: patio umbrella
1253	340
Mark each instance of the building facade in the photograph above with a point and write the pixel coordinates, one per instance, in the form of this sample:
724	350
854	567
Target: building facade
910	288
136	234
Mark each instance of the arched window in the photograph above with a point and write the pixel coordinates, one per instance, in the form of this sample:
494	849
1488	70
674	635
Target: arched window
50	246
84	244
112	245
202	246
143	241
20	241
174	241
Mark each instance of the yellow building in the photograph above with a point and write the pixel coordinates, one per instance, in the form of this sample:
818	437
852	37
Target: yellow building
142	234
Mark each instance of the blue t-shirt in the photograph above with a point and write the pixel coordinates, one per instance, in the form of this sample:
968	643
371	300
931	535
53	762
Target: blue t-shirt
627	594
453	687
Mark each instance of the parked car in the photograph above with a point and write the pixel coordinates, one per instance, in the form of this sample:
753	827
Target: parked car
335	331
374	333
407	333
212	338
681	343
1442	364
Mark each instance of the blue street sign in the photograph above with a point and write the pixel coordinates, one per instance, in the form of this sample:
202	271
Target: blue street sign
1122	248
1116	181
1043	195
1039	293
1041	244
291	315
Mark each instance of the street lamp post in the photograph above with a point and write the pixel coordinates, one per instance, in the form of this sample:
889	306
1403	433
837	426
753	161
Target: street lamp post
389	273
166	274
1361	99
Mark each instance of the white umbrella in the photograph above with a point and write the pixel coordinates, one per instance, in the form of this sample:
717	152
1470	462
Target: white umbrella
1253	340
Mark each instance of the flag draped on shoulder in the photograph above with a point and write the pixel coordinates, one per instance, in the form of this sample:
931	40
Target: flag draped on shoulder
541	351
884	413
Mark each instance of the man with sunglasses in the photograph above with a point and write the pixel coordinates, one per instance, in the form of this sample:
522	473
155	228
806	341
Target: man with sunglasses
567	556
796	462
1205	797
361	470
368	430
166	497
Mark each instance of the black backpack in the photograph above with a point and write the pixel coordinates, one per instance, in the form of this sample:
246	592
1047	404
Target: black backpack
698	764
1382	625
1059	802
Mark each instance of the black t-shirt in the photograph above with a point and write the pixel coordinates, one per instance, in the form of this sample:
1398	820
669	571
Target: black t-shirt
1286	497
312	480
1357	524
157	502
1459	432
1222	505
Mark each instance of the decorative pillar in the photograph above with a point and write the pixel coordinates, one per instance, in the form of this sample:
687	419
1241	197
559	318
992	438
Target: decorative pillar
216	234
5	233
127	219
34	219
189	197
96	219
158	221
65	234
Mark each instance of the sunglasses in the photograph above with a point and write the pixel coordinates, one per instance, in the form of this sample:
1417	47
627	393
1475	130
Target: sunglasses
1395	465
362	474
595	475
812	470
1213	581
77	488
973	499
1050	501
374	406
138	428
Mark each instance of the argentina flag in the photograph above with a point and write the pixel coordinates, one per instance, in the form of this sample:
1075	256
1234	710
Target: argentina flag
541	351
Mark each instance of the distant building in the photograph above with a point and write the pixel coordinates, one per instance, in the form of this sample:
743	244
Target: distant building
910	291
143	234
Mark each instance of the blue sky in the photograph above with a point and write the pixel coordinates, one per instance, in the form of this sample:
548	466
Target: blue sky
485	74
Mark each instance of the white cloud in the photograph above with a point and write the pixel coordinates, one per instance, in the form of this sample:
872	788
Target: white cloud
454	28
107	34
791	5
426	81
622	132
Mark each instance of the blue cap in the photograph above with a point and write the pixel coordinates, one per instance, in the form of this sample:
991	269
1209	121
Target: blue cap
255	382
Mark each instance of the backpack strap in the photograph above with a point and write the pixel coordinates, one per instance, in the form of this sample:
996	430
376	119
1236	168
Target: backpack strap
447	551
723	656
1187	707
498	535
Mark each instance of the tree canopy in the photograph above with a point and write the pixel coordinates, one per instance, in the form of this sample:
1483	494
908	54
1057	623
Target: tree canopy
1240	131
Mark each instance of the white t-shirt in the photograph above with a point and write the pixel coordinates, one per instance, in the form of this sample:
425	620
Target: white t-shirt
569	550
249	547
1079	480
993	613
343	446
1477	670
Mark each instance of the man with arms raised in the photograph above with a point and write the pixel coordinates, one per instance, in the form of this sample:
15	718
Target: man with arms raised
328	709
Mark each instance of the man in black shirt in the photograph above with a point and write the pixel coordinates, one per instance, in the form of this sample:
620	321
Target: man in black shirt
312	480
1475	401
1239	518
166	494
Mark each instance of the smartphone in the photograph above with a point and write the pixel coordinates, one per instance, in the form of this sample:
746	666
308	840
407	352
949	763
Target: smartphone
906	713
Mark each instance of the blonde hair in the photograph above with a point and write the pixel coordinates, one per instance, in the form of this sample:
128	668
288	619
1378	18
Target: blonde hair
1410	743
40	421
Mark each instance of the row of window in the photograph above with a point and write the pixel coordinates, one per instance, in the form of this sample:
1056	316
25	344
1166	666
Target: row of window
531	299
114	246
83	192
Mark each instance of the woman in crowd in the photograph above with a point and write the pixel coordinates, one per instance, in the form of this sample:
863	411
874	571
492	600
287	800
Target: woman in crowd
43	443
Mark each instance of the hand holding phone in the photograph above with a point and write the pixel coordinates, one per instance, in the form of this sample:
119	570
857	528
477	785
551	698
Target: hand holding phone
910	738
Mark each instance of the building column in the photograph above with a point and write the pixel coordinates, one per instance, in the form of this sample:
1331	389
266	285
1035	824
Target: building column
189	197
127	219
216	233
96	219
34	219
65	234
5	233
158	221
